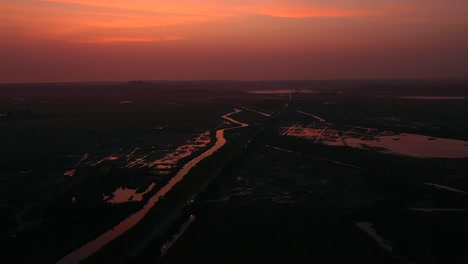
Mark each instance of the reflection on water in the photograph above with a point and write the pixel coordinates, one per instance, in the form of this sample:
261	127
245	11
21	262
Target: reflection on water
165	164
124	195
419	145
364	138
69	173
93	246
138	197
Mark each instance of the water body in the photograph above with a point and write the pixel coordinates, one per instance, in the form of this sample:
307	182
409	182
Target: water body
69	173
124	195
171	159
95	245
417	146
401	144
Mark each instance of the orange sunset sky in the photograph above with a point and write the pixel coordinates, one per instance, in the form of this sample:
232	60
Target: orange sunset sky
87	40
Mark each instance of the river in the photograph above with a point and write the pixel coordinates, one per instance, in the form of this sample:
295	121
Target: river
93	246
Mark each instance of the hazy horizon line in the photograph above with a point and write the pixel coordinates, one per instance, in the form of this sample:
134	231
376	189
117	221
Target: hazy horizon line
240	80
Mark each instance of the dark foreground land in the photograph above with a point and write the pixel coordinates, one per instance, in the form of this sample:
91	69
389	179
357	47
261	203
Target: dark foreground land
326	171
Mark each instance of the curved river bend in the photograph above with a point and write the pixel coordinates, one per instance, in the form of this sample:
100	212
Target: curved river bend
96	244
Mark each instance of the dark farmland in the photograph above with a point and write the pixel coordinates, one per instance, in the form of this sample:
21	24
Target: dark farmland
271	197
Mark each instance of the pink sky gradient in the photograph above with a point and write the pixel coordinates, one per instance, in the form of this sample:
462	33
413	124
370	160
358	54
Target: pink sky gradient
84	40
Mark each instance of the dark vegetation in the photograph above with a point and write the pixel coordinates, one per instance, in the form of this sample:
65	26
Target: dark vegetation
253	203
300	207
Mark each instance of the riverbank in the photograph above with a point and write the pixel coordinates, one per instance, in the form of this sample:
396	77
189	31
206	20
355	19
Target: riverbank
130	222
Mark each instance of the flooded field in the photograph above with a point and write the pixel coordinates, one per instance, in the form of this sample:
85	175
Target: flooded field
172	157
392	183
384	141
160	161
125	194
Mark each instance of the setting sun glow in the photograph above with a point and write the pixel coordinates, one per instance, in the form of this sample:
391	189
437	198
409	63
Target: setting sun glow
75	40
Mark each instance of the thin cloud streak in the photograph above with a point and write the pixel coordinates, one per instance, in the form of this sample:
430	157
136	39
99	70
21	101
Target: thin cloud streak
106	40
80	20
233	39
